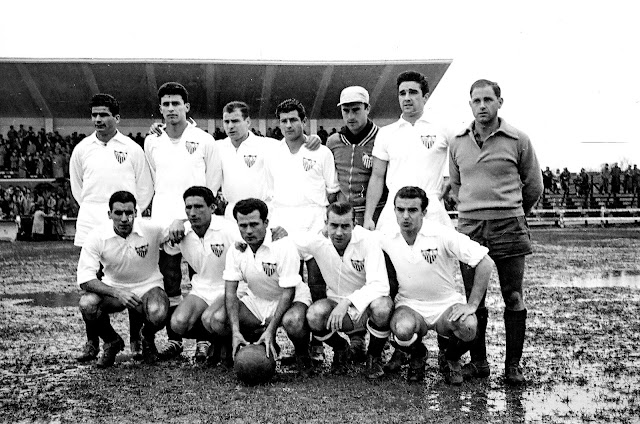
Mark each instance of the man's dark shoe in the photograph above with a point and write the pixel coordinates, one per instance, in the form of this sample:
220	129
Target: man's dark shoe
305	366
136	349
397	360
109	352
340	365
172	349
374	368
89	352
454	373
357	349
202	351
476	370
443	367
513	375
149	351
415	372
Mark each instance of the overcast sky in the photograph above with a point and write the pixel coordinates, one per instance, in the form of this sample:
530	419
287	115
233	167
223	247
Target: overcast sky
569	70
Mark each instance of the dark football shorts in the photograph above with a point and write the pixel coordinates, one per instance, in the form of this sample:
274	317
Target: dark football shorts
505	237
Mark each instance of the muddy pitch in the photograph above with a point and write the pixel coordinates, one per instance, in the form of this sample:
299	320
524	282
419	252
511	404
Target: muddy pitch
582	354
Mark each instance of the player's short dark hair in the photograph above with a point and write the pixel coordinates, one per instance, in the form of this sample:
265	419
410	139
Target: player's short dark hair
416	77
412	192
340	208
246	206
486	83
173	89
106	100
200	191
121	197
291	105
235	105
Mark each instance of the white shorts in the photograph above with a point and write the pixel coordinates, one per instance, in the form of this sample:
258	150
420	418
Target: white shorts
387	223
263	309
139	289
429	310
208	293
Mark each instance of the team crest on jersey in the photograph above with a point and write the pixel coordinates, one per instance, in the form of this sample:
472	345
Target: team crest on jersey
217	249
357	265
191	146
428	140
308	164
430	254
120	156
142	250
367	161
269	268
250	160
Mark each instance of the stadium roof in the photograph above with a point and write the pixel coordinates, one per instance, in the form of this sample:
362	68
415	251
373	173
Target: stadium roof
53	88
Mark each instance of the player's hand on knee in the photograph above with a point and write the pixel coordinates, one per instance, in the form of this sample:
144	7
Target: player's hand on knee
460	311
313	142
128	299
156	129
334	322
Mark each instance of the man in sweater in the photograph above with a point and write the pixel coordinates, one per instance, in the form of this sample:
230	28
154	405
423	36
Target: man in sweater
496	178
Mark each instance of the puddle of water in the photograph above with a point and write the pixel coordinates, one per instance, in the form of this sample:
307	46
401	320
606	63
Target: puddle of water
47	299
617	278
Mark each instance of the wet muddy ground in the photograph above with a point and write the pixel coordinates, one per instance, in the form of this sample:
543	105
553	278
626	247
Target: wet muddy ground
582	355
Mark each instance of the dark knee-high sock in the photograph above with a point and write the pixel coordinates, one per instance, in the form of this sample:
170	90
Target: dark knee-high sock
93	331
136	322
455	348
172	335
478	347
105	330
377	338
337	342
515	324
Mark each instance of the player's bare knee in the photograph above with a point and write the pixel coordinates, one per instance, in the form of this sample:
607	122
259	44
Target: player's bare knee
89	305
465	329
157	312
403	328
179	323
294	322
381	310
513	300
317	315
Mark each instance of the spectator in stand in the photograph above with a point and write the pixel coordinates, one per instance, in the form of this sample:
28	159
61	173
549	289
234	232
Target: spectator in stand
12	134
616	173
58	163
37	228
139	140
23	166
3	154
565	179
635	179
605	176
323	134
547	180
584	184
628	176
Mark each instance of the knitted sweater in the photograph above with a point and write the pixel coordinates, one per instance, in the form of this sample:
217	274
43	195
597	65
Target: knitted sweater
500	180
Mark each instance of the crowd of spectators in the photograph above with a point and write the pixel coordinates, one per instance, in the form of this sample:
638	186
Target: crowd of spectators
27	154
